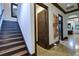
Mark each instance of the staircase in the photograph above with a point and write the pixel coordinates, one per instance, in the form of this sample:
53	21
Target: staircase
11	40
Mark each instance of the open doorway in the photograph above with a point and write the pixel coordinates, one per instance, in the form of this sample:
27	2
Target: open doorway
73	26
60	26
41	25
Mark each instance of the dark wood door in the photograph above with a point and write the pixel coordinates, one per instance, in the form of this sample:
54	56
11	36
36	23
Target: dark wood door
43	36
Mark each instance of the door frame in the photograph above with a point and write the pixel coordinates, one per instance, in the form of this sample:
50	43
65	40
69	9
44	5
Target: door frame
44	6
61	26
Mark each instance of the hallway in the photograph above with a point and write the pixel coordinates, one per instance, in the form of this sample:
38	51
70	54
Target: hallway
66	48
47	25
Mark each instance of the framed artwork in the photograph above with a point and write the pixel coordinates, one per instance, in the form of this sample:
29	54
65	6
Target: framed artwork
55	26
69	26
14	10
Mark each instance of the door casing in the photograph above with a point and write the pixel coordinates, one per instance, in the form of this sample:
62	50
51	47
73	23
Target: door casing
44	6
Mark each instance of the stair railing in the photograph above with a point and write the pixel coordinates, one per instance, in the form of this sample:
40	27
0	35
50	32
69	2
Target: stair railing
1	18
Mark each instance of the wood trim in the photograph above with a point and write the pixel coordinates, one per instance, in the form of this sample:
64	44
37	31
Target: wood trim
44	6
34	54
35	28
73	17
52	45
78	5
61	9
72	11
65	37
61	27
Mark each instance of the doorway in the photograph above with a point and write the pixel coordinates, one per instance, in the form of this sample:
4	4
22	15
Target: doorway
41	25
60	27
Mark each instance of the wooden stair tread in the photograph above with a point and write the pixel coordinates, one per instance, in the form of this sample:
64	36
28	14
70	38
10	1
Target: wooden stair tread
11	49
20	53
11	38
11	43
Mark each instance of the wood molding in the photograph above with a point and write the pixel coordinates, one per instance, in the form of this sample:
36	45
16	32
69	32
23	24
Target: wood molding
13	4
44	6
52	45
61	9
65	37
34	54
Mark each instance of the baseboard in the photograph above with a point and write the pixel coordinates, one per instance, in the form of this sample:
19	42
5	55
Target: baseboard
65	38
52	45
34	54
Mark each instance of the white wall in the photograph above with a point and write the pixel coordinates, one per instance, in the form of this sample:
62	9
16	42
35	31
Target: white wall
73	13
53	10
7	12
26	22
70	14
1	8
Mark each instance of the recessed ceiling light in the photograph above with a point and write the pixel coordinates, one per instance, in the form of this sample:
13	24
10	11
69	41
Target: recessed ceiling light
68	5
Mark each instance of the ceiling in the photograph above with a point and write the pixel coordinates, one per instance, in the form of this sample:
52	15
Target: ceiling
67	7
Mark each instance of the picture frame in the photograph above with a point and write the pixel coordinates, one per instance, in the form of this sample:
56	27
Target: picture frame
14	10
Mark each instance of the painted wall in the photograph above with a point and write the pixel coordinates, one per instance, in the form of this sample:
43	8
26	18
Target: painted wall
1	8
70	14
26	23
7	12
73	13
53	10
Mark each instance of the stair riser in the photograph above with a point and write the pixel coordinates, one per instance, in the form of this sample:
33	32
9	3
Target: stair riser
11	30
13	52
8	33
4	27
4	37
11	46
26	54
9	41
11	22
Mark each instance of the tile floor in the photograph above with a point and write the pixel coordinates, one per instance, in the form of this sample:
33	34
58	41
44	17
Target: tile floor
68	47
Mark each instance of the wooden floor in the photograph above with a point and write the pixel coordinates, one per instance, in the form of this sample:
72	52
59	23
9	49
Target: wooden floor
68	47
58	50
